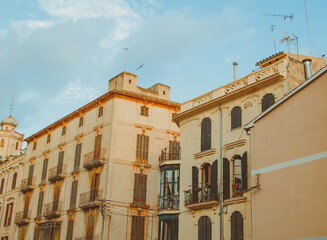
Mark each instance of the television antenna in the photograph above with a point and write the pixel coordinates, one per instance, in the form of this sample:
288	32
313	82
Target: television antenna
140	66
272	30
285	17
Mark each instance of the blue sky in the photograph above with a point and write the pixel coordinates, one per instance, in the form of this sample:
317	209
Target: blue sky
56	56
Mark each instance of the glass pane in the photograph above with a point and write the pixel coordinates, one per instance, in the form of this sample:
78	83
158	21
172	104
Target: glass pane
176	190
162	179
176	175
169	175
162	189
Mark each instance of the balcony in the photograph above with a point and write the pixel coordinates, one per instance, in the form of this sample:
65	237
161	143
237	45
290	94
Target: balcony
53	209
169	203
23	217
94	159
170	154
90	199
57	173
201	198
27	184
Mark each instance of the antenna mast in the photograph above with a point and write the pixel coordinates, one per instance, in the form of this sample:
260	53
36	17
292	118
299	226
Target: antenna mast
12	104
306	15
272	29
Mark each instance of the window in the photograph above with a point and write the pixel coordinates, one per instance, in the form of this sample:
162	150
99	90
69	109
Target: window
237	226
81	121
14	180
226	179
267	101
205	134
240	174
90	227
2	143
137	232
73	194
16	145
174	150
94	194
169	187
40	204
139	189
70	229
49	230
144	111
48	138
44	170
26	206
60	162
204	228
100	112
97	147
236	117
30	175
34	145
63	131
142	148
168	227
2	185
205	181
78	150
8	217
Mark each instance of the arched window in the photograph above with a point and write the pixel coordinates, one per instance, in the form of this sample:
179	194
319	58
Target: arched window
206	134
240	182
2	143
16	145
204	228
237	226
267	101
236	117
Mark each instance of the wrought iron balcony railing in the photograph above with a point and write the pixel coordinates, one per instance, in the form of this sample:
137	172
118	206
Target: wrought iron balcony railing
94	159
23	217
90	199
27	184
200	197
57	173
53	209
170	153
169	203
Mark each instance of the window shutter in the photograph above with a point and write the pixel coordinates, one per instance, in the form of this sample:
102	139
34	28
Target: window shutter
236	117
267	101
26	203
233	227
146	149
78	150
205	134
204	228
97	146
195	182
30	174
143	190
214	179
2	185
244	171
90	227
70	229
14	180
60	162
45	168
236	226
40	204
226	179
73	194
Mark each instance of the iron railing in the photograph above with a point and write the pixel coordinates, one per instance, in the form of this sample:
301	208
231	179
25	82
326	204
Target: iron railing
170	153
22	217
90	199
169	203
27	184
53	209
94	158
57	173
199	194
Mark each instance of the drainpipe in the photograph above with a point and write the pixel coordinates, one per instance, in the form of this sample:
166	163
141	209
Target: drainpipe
221	177
251	203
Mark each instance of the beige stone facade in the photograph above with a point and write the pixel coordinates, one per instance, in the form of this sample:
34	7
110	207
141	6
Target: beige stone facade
289	157
11	170
215	149
95	172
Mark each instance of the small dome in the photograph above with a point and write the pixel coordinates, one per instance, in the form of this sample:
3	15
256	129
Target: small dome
9	120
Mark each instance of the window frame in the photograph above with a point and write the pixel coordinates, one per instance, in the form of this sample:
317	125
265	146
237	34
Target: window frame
144	111
237	191
142	148
164	185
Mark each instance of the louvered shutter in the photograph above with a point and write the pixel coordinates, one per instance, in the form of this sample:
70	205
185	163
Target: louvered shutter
44	169
233	227
239	226
26	204
40	204
97	146
244	171
143	189
90	227
203	129
236	117
226	179
73	194
70	229
214	179
14	180
60	162
267	101
30	175
195	182
78	150
56	198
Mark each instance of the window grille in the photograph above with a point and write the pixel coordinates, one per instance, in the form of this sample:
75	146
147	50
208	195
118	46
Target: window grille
97	147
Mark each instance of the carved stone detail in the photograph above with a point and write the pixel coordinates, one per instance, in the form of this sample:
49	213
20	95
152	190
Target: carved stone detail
202	100
236	85
266	73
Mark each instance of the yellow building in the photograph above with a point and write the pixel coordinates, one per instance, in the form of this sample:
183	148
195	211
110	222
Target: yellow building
94	174
11	169
215	148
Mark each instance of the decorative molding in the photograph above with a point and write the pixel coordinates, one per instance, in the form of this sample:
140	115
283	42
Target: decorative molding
235	144
266	72
234	200
202	99
174	133
79	137
61	145
236	85
205	153
46	152
143	127
98	128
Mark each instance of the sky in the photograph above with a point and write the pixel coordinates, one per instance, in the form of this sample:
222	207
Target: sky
56	56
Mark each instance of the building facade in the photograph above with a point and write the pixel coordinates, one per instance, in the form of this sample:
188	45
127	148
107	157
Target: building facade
94	174
11	169
215	170
289	162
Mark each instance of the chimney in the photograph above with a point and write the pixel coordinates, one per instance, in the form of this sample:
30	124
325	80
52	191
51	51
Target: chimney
235	65
307	68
